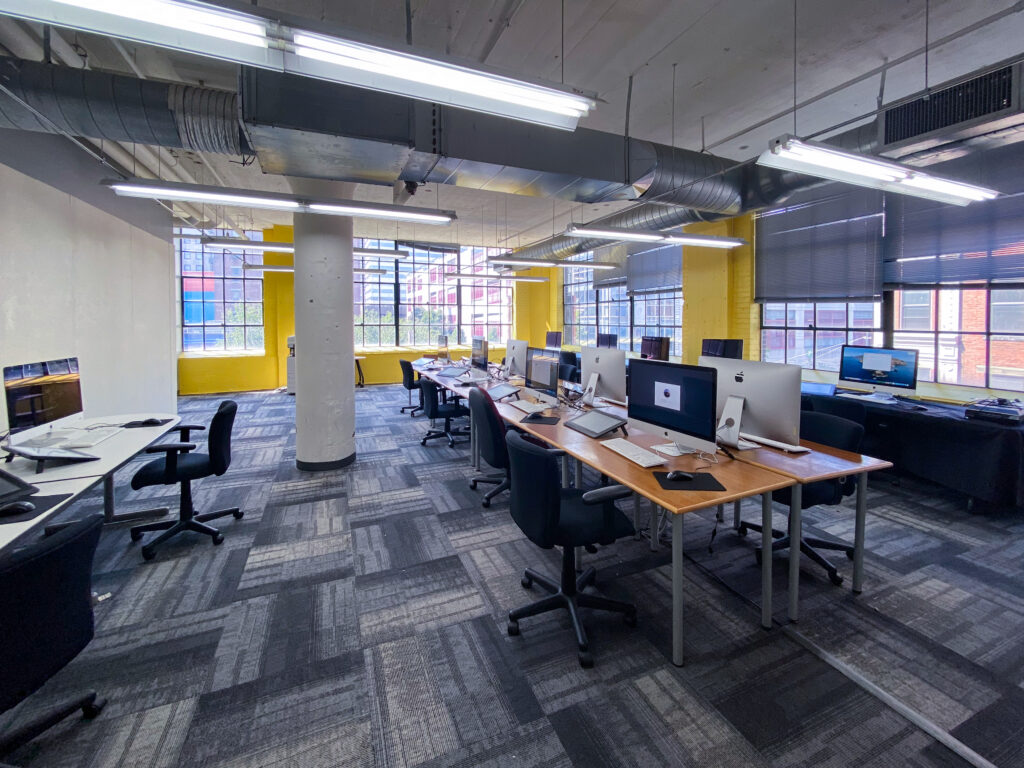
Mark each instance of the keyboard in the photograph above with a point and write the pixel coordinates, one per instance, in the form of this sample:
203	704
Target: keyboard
528	407
634	453
90	437
787	447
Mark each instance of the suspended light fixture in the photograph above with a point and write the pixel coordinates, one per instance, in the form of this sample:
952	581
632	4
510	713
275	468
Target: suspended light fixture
290	268
481	276
199	193
652	236
788	153
513	261
237	244
614	233
250	39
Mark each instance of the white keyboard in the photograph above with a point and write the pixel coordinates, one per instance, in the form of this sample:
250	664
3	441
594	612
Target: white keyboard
90	437
634	453
527	407
775	444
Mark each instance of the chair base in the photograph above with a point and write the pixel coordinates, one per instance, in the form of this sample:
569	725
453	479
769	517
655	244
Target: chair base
412	407
569	595
447	432
90	703
502	482
808	546
172	528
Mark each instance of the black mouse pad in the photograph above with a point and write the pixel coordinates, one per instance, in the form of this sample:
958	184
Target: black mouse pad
702	481
541	420
137	424
42	503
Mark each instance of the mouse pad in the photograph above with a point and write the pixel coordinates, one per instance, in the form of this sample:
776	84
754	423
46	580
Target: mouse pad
42	503
702	481
541	420
137	424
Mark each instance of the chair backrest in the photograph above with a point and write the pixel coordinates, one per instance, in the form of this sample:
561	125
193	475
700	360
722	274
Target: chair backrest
568	357
841	407
535	491
429	390
408	374
567	372
45	607
219	442
830	430
490	428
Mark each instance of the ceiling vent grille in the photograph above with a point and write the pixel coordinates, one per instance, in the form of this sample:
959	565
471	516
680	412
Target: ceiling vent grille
970	100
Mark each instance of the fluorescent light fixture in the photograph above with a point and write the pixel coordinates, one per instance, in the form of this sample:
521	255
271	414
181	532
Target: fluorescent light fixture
812	159
614	233
237	244
513	261
369	271
381	253
288	268
198	193
483	276
704	241
647	236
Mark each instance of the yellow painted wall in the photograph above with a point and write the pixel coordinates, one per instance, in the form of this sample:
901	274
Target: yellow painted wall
537	306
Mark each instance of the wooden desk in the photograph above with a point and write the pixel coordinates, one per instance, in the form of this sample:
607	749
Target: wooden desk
741	480
822	463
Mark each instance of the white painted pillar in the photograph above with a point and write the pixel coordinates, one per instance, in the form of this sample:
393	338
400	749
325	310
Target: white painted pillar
325	414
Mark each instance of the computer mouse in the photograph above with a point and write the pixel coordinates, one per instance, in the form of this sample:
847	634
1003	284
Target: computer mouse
678	474
16	508
151	422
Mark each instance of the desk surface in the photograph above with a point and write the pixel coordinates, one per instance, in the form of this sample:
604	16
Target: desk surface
9	532
822	463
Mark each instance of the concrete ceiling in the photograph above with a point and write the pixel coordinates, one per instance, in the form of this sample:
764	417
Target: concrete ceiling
733	62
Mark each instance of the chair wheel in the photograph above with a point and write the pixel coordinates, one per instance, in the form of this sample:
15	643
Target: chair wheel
472	485
218	539
423	441
148	553
238	514
742	530
849	554
512	628
630	619
485	502
91	710
586	659
835	578
526	581
135	535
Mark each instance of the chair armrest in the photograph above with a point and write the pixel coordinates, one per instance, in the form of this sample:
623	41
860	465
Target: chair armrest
168	447
171	451
607	493
188	427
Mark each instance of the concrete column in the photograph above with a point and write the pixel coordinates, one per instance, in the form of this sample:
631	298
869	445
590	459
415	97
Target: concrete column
325	414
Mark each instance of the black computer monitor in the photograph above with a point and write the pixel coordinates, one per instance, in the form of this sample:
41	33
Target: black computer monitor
553	340
731	348
879	369
607	340
542	371
39	393
654	347
676	400
478	357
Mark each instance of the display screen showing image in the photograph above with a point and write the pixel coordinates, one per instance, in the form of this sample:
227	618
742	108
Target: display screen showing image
880	367
672	396
39	393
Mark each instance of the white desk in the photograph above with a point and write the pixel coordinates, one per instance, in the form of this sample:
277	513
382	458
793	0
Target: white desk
113	453
11	531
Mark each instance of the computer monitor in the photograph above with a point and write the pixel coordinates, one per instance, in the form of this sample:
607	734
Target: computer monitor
674	400
607	340
731	348
442	347
553	340
515	357
478	357
767	399
542	374
40	393
610	367
654	347
892	371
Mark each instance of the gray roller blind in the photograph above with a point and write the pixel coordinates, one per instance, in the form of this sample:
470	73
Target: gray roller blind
659	269
827	245
617	254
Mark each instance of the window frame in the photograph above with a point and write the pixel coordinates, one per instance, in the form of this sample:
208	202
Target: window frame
787	327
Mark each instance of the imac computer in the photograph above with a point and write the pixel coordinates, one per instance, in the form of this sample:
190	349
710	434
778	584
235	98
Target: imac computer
609	366
553	340
884	372
731	348
607	340
41	393
515	357
675	401
478	357
761	400
442	347
542	374
654	347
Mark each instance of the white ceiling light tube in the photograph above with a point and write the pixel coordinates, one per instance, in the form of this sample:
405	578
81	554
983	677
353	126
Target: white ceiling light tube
514	262
788	153
381	253
394	213
704	241
237	244
289	268
484	276
649	236
614	233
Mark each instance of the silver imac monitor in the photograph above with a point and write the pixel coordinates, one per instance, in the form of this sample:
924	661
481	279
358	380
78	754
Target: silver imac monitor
515	357
542	374
610	367
478	357
675	401
767	399
442	347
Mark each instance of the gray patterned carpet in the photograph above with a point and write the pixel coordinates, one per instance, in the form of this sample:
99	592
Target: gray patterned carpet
356	618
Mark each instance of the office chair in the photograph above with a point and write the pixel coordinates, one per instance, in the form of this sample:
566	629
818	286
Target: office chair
490	439
434	409
568	366
850	410
409	382
45	621
838	433
551	516
181	466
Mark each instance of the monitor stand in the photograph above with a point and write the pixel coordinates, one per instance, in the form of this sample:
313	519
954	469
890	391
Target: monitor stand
591	391
729	424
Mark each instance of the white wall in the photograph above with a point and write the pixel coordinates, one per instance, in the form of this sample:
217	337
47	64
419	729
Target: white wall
78	282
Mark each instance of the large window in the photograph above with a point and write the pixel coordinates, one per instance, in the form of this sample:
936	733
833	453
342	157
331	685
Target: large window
428	303
812	335
221	302
579	303
486	308
659	313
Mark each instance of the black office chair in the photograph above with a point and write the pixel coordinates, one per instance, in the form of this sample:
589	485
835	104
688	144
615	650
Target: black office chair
410	383
568	366
45	621
838	433
490	439
844	408
181	466
434	409
552	516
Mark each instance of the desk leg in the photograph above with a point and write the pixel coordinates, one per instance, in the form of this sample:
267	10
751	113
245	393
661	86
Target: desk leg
858	533
359	370
736	515
677	590
565	471
109	518
766	560
795	537
720	513
636	517
654	527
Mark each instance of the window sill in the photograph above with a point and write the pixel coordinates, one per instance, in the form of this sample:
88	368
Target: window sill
221	355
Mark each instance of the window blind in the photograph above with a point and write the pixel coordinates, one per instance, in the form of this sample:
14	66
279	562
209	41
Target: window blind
825	245
658	269
617	254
